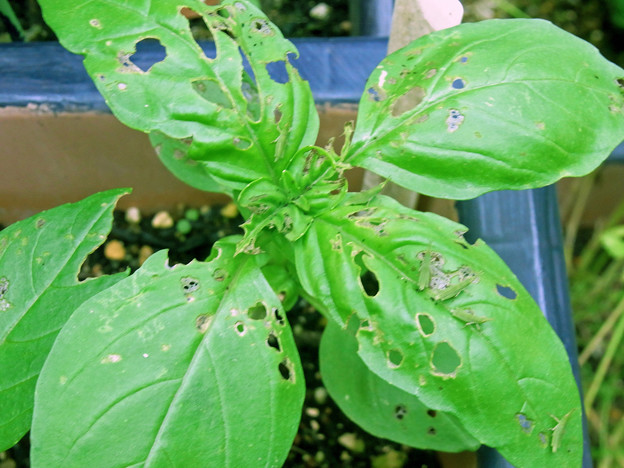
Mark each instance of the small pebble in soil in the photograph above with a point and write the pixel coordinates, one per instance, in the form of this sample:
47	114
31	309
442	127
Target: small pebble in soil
144	253
162	220
115	250
390	459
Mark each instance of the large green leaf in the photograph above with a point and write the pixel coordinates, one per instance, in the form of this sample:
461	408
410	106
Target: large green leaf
184	366
447	322
502	104
380	408
40	258
239	125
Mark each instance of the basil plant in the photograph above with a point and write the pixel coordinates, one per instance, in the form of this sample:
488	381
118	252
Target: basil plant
431	341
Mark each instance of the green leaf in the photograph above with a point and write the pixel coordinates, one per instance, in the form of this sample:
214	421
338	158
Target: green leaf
191	365
447	322
9	14
241	125
380	408
502	104
40	258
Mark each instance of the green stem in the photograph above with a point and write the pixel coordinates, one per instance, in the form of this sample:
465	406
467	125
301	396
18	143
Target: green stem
605	362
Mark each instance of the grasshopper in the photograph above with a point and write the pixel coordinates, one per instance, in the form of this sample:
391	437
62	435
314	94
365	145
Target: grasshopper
558	430
469	318
451	291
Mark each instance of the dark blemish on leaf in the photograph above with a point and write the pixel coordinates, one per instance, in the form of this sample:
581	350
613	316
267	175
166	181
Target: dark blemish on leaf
400	411
426	324
432	413
257	312
525	424
431	431
40	223
277	115
285	369
506	292
273	342
202	322
445	361
95	23
395	358
189	284
458	83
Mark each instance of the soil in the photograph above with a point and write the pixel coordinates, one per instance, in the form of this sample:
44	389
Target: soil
326	437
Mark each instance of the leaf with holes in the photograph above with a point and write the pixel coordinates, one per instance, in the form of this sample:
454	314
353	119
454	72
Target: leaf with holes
240	124
502	104
40	258
191	365
380	408
466	341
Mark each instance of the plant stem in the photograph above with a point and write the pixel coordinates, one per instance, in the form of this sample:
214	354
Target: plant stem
612	347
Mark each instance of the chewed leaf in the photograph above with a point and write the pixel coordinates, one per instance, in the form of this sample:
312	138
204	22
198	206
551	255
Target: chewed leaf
446	322
237	122
39	262
380	408
198	356
501	104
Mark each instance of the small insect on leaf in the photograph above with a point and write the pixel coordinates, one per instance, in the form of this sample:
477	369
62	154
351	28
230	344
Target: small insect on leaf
558	430
451	291
424	271
469	318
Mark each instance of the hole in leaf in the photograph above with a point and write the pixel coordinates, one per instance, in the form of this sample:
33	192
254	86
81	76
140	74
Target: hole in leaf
425	323
400	411
431	431
202	322
250	93
506	292
369	283
149	52
40	223
257	312
277	71
408	101
464	59
219	274
395	358
432	413
273	342
525	424
200	31
240	328
211	91
189	284
543	438
241	143
261	26
458	83
445	360
285	369
278	316
620	82
277	115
